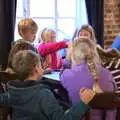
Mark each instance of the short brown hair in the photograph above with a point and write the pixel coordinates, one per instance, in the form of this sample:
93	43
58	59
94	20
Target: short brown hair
19	47
23	63
26	25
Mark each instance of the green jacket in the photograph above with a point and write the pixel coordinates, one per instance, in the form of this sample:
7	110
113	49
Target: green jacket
31	100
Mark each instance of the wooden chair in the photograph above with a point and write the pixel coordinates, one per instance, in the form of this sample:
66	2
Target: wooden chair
106	100
4	78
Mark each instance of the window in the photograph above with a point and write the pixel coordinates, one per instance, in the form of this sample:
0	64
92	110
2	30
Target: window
63	15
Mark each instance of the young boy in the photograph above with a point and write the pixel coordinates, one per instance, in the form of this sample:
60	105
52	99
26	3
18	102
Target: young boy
27	29
31	100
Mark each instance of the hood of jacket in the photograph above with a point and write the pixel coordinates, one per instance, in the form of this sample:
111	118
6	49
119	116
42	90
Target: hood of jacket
24	93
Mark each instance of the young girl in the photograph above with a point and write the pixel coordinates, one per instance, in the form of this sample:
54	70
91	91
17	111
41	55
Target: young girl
87	72
85	31
49	47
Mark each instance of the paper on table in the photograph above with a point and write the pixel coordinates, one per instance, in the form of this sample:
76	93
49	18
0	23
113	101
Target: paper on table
53	76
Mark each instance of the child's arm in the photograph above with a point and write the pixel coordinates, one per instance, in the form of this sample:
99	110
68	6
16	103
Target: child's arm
48	48
54	111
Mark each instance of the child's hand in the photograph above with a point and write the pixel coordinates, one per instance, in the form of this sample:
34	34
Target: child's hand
86	95
48	71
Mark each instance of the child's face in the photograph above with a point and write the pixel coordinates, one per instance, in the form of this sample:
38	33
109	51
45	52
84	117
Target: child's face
84	33
29	36
50	36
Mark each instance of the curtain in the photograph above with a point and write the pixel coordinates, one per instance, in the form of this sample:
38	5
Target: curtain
95	12
7	24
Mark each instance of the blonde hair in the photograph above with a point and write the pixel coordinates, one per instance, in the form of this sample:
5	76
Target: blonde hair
19	46
84	49
27	24
41	37
90	29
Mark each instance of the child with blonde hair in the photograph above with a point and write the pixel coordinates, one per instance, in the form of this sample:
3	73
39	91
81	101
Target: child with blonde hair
49	49
27	29
85	31
87	72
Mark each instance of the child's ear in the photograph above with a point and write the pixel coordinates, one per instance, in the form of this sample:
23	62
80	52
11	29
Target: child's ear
22	33
37	69
34	70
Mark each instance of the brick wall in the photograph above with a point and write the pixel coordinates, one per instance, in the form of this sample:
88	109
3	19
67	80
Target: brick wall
111	21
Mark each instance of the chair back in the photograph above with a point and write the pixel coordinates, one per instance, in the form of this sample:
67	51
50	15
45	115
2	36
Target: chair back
4	78
105	100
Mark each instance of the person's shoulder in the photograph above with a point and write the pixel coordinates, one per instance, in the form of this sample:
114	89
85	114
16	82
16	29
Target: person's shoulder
44	92
19	41
70	73
67	70
104	71
66	74
43	87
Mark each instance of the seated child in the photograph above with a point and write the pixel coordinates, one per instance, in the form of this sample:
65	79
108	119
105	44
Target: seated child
87	72
19	46
85	31
31	100
22	45
49	47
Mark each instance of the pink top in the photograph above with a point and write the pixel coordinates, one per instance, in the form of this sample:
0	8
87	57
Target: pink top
49	50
